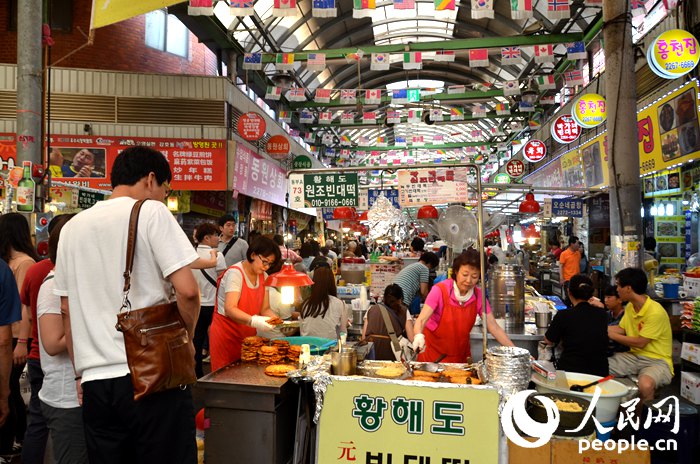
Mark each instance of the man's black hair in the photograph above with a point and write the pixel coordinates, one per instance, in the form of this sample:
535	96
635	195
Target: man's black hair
650	244
573	239
135	163
417	244
226	218
635	278
611	290
430	259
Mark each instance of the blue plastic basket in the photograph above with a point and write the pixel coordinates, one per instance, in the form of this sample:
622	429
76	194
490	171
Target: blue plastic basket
319	345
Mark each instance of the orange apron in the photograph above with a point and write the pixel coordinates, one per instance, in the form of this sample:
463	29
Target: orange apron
451	337
226	336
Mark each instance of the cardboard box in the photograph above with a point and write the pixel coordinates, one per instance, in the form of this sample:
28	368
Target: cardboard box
690	386
691	352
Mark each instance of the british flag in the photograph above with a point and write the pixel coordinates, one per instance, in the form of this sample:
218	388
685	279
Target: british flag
510	55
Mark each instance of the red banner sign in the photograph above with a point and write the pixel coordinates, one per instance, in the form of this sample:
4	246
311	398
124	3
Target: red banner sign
565	129
87	160
251	126
515	168
534	151
258	177
278	146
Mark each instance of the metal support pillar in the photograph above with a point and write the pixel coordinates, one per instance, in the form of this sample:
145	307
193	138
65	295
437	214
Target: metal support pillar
623	153
29	141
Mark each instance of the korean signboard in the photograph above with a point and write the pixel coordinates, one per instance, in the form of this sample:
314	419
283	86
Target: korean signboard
564	129
567	207
251	126
302	162
87	160
549	175
257	177
571	169
371	422
391	194
515	168
673	54
88	199
589	110
432	186
594	155
278	147
668	131
323	190
534	151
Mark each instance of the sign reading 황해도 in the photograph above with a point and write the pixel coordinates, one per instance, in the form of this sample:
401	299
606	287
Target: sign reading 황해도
322	190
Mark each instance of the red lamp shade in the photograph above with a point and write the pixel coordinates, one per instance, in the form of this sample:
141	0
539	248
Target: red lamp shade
363	216
529	205
288	277
428	212
344	212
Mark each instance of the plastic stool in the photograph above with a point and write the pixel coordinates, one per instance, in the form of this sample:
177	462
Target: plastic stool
686	438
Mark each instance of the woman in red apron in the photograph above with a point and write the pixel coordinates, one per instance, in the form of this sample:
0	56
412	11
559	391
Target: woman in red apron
449	313
242	305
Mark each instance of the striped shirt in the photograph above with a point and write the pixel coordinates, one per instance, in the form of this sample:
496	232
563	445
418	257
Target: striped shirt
410	278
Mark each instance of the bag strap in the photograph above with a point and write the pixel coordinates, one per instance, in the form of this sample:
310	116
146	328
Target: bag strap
229	245
208	277
130	250
390	328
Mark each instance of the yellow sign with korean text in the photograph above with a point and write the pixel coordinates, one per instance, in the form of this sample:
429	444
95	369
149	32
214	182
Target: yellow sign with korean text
594	157
106	12
668	131
572	169
365	421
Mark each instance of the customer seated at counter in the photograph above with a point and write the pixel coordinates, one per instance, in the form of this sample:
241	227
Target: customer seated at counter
616	309
375	328
582	330
322	313
450	311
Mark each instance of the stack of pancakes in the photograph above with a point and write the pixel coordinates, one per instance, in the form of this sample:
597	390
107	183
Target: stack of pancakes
269	355
293	354
250	347
282	347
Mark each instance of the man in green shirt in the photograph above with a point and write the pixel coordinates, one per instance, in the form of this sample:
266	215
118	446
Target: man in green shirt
646	329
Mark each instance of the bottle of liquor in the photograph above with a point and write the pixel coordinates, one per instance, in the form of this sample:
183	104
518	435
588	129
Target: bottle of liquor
25	189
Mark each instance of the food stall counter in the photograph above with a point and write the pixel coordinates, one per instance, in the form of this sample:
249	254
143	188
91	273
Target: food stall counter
527	336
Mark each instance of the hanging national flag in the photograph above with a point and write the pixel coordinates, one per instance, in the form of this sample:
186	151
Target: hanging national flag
437	139
593	3
414	116
364	140
456	89
345	140
201	8
444	5
412	60
482	86
309	137
456	114
525	107
242	7
557	9
549	100
637	7
479	58
399	96
381	141
284	61
404	4
323	9
444	55
296	95
520	9
316	61
306	117
373	96
534	124
369	117
355	56
285	116
510	55
511	87
576	51
544	53
400	141
478	110
327	139
476	134
494	131
546	82
393	117
293	132
348	97
322	96
435	114
284	8
347	117
273	93
252	61
482	9
573	78
502	109
379	62
363	8
417	140
325	117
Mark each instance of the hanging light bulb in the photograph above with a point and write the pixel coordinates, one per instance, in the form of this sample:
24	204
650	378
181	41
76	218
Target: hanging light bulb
641	211
287	295
652	210
670	209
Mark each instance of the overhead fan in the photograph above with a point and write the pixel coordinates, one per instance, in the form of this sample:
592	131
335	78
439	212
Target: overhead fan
492	221
457	227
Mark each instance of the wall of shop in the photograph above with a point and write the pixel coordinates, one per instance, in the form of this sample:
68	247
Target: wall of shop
119	47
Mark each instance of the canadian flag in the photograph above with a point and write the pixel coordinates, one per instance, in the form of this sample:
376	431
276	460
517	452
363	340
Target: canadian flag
544	53
373	96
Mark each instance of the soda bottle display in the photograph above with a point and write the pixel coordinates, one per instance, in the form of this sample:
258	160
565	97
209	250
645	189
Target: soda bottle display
25	189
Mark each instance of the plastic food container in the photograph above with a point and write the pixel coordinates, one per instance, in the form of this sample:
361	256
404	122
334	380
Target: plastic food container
318	345
608	403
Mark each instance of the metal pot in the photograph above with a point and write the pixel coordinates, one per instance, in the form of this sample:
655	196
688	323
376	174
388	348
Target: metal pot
345	362
507	294
358	316
542	319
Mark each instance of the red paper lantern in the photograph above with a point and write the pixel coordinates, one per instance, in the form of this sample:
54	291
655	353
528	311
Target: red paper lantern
529	205
428	212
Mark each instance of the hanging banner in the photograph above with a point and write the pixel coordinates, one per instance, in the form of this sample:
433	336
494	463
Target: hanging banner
257	177
323	190
668	131
432	186
407	423
571	169
391	194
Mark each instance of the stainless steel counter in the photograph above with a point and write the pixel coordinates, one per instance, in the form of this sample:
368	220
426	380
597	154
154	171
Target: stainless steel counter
524	337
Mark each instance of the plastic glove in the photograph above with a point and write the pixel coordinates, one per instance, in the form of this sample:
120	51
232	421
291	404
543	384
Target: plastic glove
260	323
419	342
404	342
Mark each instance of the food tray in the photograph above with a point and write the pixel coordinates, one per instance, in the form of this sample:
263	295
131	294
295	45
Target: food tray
369	369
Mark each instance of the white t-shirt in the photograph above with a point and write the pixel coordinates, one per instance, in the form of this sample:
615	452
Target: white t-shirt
58	389
207	291
325	326
236	253
89	271
232	282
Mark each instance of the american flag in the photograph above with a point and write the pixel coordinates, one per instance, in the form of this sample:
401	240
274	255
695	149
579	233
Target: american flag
544	53
404	5
373	96
510	55
200	8
316	61
478	110
348	97
393	117
557	9
364	140
322	96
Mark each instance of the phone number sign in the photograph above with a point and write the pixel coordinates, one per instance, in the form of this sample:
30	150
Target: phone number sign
323	190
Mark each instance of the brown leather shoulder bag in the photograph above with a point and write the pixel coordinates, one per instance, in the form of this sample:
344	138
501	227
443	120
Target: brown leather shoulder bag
159	351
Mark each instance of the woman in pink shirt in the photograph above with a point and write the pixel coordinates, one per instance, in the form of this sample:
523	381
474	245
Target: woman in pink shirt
449	313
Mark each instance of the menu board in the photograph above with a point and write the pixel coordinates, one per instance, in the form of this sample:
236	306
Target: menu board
381	276
432	186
